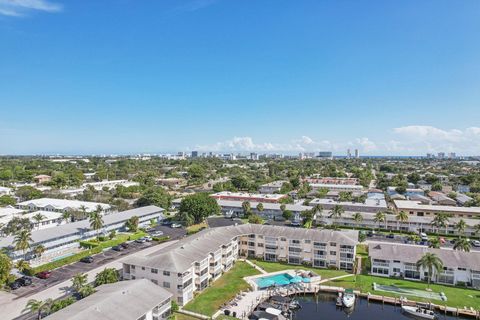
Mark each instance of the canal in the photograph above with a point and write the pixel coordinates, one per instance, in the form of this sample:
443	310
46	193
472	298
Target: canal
323	307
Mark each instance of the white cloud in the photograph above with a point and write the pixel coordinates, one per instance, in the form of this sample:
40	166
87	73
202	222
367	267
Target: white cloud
422	139
366	144
17	8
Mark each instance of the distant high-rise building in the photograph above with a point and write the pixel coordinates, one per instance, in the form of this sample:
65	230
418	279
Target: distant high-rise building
452	155
325	154
253	156
441	155
349	154
430	156
194	154
357	153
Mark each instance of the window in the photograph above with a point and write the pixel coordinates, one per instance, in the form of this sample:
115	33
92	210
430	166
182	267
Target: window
167	273
307	241
143	268
166	284
396	261
283	239
154	270
133	267
154	281
333	244
333	253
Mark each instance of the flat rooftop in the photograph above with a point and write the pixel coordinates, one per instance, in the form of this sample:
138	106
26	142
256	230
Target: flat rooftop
417	205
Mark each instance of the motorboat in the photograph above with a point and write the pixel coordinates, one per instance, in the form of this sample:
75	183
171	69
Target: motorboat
294	304
418	312
348	298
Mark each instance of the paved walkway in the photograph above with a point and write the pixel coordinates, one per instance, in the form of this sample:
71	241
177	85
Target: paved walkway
255	266
335	278
10	308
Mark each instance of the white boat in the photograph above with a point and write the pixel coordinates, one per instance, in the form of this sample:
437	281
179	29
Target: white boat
418	312
348	298
273	311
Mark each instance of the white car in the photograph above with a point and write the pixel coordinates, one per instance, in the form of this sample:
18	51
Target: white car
176	225
476	243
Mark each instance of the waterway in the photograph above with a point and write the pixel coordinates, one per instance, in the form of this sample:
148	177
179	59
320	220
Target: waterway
323	307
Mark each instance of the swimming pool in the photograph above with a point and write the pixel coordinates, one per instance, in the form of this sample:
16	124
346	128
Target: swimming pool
280	279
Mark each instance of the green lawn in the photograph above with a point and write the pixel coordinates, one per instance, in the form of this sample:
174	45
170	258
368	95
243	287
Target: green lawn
222	290
196	227
457	297
279	266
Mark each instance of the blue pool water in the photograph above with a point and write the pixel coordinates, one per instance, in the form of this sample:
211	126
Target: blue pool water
280	279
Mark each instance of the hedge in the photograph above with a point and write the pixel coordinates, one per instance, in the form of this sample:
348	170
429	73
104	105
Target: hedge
120	238
62	262
161	239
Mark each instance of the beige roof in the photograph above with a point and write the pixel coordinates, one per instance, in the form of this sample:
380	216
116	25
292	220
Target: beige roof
181	255
124	300
416	205
413	253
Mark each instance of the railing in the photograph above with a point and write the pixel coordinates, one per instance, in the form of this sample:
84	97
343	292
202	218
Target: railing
346	250
378	264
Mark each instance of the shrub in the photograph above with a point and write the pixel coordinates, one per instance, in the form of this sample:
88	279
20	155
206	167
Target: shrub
161	239
62	262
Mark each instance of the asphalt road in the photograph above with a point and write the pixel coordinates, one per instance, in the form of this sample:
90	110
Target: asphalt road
215	222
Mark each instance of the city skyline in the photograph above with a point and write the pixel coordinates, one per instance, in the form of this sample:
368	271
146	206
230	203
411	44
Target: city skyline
222	76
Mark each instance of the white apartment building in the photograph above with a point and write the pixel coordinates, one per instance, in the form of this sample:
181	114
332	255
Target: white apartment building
270	210
370	205
272	187
61	205
190	264
251	197
337	187
416	208
124	300
400	260
63	240
4	191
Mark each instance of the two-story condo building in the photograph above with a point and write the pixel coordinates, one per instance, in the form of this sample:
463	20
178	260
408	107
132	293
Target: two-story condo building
64	239
416	208
62	205
190	264
124	300
252	197
400	260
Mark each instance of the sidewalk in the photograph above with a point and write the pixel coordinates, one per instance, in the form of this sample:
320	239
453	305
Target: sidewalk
12	307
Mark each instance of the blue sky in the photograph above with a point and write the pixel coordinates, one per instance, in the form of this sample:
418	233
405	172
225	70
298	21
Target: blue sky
124	76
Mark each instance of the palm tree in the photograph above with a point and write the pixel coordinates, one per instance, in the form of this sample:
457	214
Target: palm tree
402	216
67	216
379	217
247	209
22	241
461	226
83	211
431	262
434	243
132	224
476	229
318	211
38	306
79	281
462	244
441	221
38	218
39	250
96	221
22	265
108	275
336	212
358	218
260	207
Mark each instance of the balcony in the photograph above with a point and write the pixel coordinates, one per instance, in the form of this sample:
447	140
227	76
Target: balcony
377	264
348	250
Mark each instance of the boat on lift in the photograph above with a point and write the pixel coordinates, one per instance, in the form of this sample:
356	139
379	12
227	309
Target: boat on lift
348	298
418	312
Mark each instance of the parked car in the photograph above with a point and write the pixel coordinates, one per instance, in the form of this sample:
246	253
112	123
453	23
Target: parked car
157	233
148	238
476	243
390	236
176	225
15	285
124	245
44	274
117	248
141	240
88	259
166	222
423	236
25	281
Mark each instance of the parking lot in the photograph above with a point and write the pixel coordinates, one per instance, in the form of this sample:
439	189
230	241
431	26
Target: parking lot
173	233
67	272
215	222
